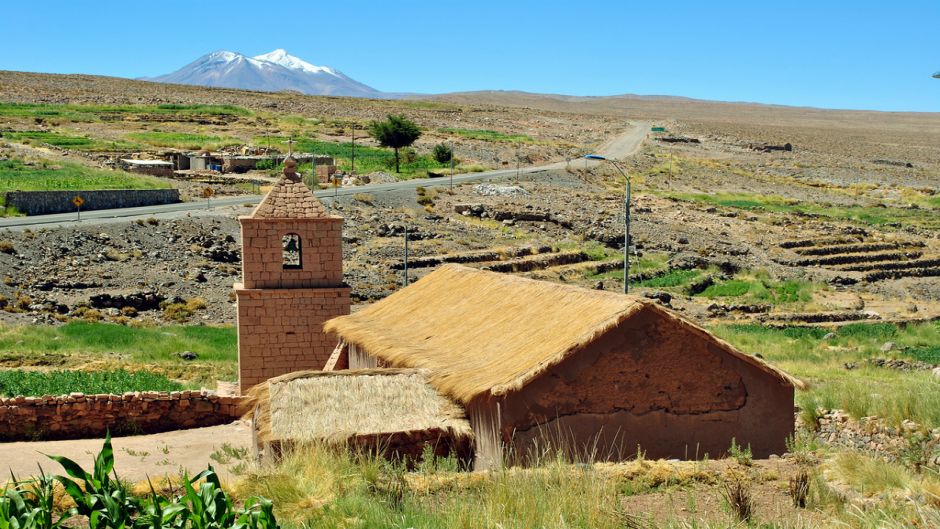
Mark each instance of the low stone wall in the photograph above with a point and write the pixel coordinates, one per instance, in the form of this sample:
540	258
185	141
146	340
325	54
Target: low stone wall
871	434
46	202
78	416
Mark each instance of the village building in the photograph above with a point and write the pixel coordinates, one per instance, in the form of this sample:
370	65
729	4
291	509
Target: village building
543	366
148	167
521	367
292	282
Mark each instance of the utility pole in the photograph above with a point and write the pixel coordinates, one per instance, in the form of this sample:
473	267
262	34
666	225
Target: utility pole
352	170
626	238
406	255
626	217
451	165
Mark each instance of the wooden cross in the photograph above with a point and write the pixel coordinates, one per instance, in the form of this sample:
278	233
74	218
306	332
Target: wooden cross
290	146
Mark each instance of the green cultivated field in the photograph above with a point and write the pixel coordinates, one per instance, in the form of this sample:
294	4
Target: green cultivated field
181	140
37	383
64	141
89	113
47	176
77	344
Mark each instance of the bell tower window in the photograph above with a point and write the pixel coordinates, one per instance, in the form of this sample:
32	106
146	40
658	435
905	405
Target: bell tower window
290	251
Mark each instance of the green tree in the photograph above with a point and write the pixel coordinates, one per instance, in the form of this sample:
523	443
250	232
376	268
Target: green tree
443	153
395	132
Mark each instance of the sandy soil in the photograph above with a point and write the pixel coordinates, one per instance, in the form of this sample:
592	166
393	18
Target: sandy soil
137	457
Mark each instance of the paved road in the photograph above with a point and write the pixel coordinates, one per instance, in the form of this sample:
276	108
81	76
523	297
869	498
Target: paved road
625	144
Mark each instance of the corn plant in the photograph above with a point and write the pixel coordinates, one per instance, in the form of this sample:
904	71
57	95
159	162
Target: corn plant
29	505
103	500
161	513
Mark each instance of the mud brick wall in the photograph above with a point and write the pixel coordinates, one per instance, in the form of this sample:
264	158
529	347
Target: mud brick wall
281	330
321	252
77	416
47	202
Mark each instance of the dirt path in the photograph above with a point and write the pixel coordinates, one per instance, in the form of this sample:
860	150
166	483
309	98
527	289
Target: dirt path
138	457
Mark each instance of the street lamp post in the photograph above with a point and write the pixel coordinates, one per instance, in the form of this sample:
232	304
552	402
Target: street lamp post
626	218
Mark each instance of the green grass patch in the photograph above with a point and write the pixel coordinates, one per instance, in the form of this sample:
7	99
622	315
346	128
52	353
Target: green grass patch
926	353
38	383
488	135
671	279
761	291
866	390
16	175
142	344
868	215
64	141
87	113
183	140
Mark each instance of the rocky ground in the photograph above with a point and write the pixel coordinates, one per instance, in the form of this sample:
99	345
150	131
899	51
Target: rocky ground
561	226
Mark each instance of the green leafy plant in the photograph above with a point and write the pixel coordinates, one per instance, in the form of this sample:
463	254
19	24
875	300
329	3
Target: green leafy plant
105	502
395	132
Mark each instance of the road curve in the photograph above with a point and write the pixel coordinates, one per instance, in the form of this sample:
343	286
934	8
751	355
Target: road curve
622	145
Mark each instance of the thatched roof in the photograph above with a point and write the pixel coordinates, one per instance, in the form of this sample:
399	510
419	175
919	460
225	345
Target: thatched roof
338	405
481	332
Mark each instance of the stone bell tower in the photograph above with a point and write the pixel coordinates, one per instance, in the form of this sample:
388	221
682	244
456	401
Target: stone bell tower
292	282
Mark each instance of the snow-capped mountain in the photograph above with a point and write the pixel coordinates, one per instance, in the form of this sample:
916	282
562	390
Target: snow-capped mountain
271	72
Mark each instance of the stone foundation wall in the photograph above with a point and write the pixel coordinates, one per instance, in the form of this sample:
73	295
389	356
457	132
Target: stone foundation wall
48	202
78	416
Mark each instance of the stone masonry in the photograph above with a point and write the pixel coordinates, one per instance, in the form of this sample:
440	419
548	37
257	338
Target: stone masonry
77	415
292	282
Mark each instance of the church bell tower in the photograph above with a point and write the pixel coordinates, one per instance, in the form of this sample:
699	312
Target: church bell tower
292	282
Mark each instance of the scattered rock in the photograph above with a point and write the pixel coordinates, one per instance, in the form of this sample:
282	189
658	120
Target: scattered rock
187	355
887	346
494	190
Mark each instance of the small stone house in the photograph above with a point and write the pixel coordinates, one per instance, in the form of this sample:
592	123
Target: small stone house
597	374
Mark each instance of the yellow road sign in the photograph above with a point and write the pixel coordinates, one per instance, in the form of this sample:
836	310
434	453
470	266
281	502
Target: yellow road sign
207	192
78	201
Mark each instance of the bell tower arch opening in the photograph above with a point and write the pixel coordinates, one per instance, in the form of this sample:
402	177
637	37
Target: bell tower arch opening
291	252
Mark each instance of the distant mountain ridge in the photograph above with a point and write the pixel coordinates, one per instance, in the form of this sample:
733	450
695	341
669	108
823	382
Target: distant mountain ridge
271	72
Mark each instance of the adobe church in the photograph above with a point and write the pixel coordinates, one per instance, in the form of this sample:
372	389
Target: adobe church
292	282
484	359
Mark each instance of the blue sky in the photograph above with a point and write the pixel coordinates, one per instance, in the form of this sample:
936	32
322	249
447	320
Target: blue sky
833	54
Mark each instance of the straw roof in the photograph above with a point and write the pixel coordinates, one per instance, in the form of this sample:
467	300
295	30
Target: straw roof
338	405
481	332
290	198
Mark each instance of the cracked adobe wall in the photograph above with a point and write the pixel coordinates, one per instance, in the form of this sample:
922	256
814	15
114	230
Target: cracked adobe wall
654	383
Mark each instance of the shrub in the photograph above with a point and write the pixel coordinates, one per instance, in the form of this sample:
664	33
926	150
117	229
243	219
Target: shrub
7	247
364	198
442	153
